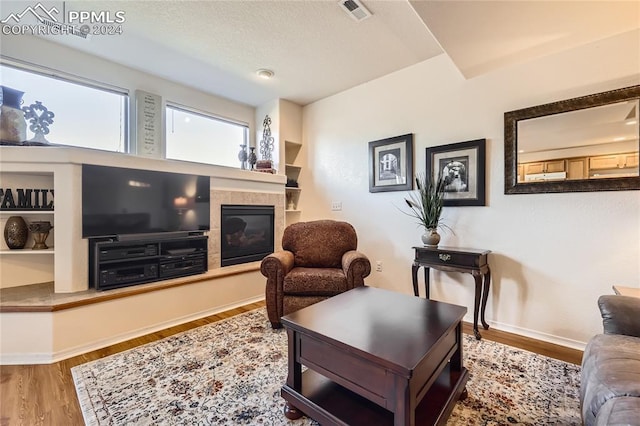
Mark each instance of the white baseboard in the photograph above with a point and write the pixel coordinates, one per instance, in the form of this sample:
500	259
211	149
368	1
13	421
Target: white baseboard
49	358
26	359
549	338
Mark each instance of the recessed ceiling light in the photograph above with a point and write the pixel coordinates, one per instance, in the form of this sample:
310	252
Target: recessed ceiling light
265	73
630	122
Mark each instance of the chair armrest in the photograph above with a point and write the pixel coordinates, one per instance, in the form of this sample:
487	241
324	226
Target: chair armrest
356	267
279	262
275	266
620	314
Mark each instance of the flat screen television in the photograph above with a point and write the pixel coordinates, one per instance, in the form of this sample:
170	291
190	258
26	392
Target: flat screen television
119	201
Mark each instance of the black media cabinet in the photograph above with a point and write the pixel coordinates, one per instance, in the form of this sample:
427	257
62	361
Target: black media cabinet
114	264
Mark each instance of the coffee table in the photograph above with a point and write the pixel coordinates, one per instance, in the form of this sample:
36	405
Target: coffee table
375	357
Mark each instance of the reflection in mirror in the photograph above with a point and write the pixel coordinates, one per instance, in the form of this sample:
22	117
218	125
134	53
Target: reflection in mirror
599	142
582	144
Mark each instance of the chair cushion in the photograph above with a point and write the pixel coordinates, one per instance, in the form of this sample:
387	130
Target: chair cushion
319	243
315	282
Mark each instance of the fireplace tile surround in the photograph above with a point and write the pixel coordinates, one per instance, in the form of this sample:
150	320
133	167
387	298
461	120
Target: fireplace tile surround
220	197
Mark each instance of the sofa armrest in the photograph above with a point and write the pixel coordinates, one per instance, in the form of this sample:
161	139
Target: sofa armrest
356	267
620	314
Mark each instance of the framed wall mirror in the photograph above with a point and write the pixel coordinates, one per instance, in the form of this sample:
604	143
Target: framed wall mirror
589	143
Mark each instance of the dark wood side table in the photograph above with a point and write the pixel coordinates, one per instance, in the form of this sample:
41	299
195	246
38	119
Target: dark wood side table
453	259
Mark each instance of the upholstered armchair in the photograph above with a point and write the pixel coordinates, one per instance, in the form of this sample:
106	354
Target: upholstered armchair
319	259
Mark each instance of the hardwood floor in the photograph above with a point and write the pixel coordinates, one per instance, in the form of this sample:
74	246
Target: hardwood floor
45	394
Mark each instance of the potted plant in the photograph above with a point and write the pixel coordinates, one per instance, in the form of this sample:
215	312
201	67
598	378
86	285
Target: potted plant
426	206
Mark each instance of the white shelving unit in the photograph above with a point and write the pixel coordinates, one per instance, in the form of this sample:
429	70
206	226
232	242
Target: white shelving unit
27	266
292	170
26	251
29	216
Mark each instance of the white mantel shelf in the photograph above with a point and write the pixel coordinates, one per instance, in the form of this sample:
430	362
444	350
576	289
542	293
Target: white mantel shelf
14	157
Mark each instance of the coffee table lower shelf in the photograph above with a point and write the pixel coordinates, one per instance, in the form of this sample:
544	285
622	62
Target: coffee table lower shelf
331	404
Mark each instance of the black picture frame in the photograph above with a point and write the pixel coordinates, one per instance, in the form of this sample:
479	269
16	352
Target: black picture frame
395	155
463	167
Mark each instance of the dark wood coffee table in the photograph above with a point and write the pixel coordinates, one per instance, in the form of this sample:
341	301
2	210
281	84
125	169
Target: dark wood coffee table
375	357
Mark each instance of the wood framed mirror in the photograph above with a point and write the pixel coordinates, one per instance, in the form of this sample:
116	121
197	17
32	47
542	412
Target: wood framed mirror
589	143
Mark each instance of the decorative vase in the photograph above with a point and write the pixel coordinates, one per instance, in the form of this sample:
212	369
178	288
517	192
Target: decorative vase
13	127
242	156
15	232
431	238
40	231
252	158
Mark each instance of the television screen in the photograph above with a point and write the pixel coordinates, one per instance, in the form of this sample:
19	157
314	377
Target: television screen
119	201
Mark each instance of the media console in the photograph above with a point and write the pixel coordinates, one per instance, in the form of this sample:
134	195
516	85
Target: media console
114	263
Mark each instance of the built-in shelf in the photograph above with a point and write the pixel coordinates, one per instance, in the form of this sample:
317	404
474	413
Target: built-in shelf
292	170
26	251
26	212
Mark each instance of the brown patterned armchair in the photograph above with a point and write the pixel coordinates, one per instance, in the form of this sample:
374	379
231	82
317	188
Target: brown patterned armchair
319	260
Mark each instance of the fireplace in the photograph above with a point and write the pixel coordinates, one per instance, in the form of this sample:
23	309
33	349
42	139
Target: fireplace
247	233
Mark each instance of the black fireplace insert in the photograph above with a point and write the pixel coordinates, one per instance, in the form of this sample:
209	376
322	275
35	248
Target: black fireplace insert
247	233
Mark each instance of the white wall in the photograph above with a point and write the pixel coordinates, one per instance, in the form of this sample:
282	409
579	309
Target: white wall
552	254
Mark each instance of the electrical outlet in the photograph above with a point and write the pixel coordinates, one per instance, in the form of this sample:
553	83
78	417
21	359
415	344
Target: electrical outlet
336	206
379	265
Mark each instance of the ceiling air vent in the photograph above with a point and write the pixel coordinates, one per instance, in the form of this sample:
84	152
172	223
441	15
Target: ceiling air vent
355	9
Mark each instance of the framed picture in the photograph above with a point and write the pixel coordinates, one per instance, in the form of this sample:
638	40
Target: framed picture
462	166
391	164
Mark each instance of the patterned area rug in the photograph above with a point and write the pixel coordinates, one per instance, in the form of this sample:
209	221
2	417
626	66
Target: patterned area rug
230	373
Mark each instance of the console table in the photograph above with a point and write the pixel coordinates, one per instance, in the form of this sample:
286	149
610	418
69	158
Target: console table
453	259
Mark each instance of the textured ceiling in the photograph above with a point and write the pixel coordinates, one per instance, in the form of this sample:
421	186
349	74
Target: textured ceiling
313	47
316	50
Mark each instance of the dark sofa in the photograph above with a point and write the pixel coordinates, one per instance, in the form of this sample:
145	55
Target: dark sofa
610	381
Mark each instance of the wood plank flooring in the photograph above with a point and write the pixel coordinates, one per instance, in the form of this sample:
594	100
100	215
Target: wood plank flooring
45	395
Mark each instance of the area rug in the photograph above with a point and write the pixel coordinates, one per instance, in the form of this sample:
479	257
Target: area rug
230	373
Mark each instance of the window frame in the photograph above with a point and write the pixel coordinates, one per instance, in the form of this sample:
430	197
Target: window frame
66	77
204	114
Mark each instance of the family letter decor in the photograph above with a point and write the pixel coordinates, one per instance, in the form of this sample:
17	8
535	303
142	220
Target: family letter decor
391	164
462	166
26	199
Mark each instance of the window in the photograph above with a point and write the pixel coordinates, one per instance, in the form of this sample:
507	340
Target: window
195	136
86	115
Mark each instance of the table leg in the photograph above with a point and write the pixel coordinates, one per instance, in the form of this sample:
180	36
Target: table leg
414	278
485	296
464	395
294	376
291	412
404	412
427	284
476	306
